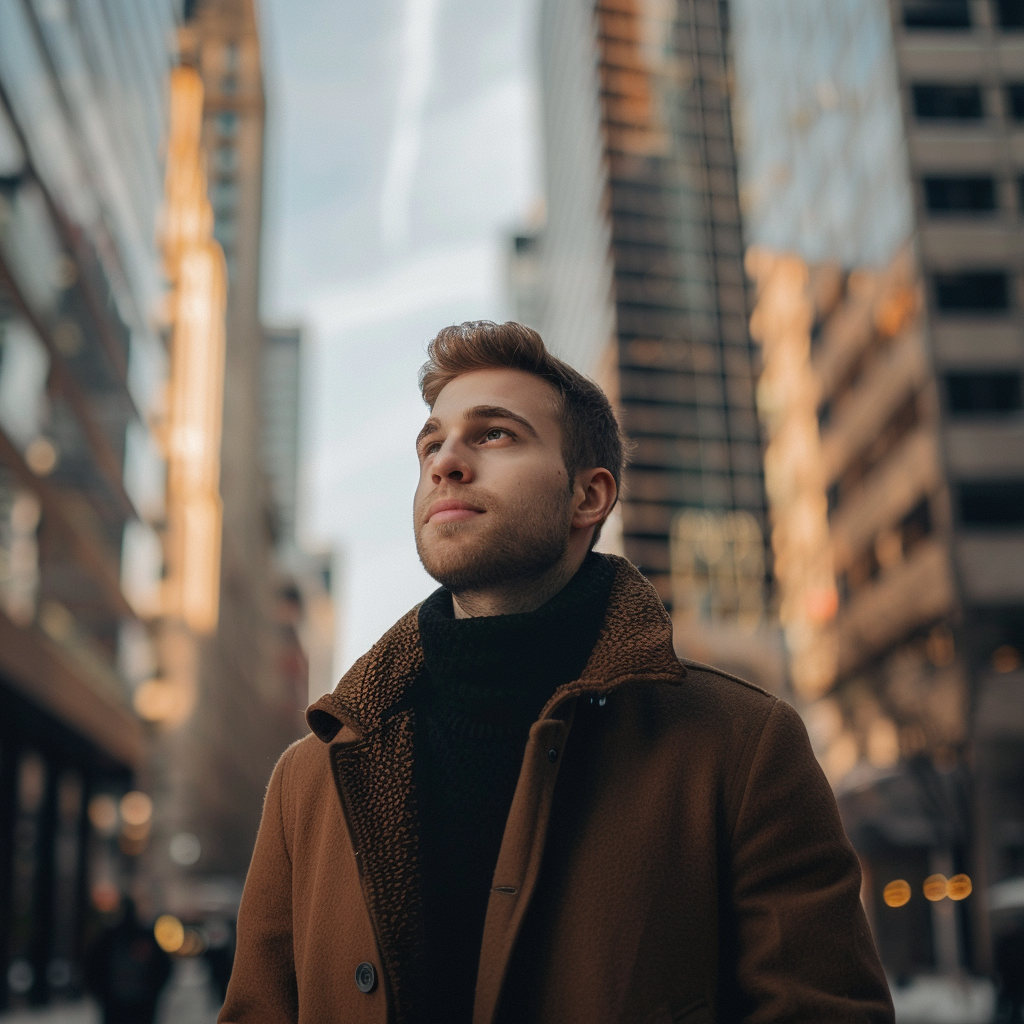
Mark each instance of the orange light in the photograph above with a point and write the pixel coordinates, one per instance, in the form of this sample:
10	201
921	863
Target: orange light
896	893
195	263
959	887
787	404
935	888
169	933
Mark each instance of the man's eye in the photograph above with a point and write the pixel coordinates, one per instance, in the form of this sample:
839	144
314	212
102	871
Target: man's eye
495	434
431	448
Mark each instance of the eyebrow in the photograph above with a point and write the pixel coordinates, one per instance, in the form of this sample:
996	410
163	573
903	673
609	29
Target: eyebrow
479	412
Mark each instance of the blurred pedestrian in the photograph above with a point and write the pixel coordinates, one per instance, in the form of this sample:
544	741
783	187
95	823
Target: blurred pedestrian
1010	977
690	863
220	954
126	970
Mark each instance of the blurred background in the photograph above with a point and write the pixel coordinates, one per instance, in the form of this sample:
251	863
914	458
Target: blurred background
785	236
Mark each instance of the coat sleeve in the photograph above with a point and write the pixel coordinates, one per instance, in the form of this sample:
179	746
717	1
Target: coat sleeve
263	989
803	950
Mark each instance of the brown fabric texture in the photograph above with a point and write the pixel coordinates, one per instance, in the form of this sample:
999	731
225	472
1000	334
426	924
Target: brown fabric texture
673	853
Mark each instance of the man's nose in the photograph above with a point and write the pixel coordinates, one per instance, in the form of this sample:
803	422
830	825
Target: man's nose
450	464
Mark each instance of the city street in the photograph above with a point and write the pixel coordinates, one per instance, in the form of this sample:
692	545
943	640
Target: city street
188	999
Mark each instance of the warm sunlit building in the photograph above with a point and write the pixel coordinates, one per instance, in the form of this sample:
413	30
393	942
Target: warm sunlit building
249	666
862	535
908	442
961	74
82	367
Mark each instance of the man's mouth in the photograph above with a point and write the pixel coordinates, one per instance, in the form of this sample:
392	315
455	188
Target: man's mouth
452	511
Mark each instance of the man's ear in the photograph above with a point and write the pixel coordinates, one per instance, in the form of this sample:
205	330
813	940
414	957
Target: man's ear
593	497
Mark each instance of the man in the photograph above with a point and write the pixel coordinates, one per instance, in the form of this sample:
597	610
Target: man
519	806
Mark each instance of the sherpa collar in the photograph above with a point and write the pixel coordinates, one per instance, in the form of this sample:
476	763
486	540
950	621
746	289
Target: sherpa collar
635	643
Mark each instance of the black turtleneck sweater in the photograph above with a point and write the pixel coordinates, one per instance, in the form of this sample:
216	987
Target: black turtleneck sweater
486	681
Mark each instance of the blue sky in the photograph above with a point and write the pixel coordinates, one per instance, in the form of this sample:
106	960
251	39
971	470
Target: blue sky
402	152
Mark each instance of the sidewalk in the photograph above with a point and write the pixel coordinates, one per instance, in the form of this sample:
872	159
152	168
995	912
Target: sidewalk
188	999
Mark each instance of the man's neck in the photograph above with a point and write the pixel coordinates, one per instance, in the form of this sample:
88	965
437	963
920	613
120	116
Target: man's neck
519	597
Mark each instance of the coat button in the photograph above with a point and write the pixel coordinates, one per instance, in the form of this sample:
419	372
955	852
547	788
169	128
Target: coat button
366	977
552	755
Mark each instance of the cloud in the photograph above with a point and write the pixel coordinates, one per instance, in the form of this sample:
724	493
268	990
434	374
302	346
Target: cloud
463	274
419	29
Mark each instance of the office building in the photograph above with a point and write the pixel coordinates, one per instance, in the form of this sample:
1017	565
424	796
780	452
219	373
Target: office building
636	277
909	466
82	366
306	607
961	75
862	533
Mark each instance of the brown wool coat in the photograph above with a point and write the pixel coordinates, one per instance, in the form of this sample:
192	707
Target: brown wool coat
673	853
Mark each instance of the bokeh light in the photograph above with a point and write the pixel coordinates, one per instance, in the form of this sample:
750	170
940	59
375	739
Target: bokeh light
896	893
169	933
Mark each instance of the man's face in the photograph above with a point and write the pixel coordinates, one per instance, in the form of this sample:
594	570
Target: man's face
492	506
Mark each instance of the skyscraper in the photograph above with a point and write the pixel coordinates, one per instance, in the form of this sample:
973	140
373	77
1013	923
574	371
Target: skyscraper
82	368
305	592
214	765
640	263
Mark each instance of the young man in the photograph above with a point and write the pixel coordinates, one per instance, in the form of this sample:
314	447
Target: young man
519	806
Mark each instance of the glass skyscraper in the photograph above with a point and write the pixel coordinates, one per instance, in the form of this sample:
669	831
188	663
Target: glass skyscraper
83	117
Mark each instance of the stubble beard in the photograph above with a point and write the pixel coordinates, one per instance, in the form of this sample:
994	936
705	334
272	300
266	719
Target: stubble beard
522	541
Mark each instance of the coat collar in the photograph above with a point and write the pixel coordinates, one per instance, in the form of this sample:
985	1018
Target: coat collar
635	643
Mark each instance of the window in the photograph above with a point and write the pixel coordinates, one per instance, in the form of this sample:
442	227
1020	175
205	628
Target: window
1015	101
960	195
972	292
224	197
948	102
224	231
915	525
992	503
227	123
936	14
1010	13
979	393
225	159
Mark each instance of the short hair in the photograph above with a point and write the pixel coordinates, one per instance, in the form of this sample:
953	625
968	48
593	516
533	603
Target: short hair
591	436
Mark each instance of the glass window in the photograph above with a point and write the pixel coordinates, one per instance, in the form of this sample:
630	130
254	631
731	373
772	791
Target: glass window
973	291
936	13
980	393
225	159
992	503
948	102
227	124
224	231
224	196
975	194
1015	101
1010	13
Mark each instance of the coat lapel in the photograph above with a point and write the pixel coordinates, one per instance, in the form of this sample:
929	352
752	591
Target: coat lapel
372	768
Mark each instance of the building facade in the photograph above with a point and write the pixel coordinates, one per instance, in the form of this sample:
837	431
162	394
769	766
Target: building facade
212	766
83	116
638	271
863	535
961	76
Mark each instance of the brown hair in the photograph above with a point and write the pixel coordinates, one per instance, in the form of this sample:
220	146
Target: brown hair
591	435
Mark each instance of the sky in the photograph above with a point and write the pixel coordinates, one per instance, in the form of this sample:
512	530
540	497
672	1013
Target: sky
402	153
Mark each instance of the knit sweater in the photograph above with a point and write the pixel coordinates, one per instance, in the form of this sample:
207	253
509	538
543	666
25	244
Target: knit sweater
486	681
